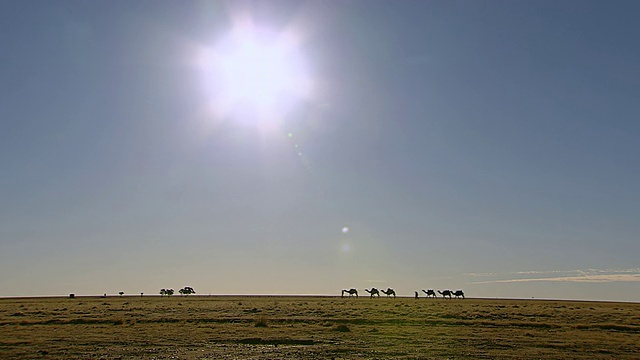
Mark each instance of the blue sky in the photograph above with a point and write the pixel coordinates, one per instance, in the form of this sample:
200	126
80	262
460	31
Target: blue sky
489	146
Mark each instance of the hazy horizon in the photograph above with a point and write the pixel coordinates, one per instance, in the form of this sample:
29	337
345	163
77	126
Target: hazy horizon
288	147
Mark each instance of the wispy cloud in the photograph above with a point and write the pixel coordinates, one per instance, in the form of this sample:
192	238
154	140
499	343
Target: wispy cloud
579	275
587	278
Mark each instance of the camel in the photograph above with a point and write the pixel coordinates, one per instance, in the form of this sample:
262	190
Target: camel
445	293
430	293
373	291
389	292
458	293
351	292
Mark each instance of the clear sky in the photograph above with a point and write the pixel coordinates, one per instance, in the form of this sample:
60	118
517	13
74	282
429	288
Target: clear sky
491	146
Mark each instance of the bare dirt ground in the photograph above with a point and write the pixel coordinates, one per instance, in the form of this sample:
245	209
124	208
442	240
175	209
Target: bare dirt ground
197	327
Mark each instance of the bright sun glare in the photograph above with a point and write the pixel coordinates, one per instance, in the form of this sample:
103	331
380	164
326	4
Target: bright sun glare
255	75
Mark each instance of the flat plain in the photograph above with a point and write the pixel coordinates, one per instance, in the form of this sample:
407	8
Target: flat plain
260	327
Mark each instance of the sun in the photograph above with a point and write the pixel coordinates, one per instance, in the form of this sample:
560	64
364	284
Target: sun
255	75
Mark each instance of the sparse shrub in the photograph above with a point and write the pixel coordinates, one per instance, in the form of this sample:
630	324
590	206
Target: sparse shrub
341	328
167	292
261	321
187	290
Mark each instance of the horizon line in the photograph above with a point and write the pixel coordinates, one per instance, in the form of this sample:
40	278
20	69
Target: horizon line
76	296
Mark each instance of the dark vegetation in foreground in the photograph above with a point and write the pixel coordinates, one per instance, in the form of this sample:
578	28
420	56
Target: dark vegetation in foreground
201	327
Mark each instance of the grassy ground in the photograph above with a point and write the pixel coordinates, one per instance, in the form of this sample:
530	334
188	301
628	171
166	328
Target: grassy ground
316	327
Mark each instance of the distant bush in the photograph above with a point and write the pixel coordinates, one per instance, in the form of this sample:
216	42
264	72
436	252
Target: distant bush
167	292
187	290
341	328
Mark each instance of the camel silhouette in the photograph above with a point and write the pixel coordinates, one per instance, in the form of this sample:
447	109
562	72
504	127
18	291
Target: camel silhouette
389	292
458	293
430	293
373	291
351	292
445	293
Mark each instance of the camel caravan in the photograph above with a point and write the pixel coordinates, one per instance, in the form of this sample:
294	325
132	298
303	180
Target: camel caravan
373	292
458	294
351	292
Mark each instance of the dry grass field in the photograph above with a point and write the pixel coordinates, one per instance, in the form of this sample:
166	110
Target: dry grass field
199	327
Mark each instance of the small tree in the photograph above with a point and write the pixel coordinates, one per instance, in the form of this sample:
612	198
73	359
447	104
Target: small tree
163	292
169	292
121	293
187	290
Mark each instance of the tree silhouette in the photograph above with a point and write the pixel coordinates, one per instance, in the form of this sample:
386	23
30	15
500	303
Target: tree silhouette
170	292
163	292
187	290
121	293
